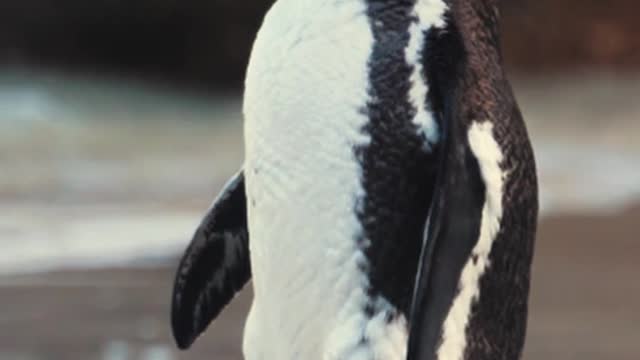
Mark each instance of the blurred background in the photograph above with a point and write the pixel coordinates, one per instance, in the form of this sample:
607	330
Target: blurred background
120	120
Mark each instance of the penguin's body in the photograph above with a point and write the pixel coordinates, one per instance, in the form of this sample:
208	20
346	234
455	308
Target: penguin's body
386	208
307	92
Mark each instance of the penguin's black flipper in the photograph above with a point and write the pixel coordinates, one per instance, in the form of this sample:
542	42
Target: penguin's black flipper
452	231
453	226
214	267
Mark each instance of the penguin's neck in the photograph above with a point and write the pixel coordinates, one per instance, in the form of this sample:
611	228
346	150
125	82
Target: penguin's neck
478	22
476	15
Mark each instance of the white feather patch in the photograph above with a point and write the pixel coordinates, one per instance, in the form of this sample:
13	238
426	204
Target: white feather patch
306	86
429	14
489	155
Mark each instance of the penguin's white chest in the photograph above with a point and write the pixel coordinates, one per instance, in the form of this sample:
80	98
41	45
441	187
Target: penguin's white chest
306	89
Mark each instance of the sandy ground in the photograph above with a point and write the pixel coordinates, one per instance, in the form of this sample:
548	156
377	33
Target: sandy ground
583	306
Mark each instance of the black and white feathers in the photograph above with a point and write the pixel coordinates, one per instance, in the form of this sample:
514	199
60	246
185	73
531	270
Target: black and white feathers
389	188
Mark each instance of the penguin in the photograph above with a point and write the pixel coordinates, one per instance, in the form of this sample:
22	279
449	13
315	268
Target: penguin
387	205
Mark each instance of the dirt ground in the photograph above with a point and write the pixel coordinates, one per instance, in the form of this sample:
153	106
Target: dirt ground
583	304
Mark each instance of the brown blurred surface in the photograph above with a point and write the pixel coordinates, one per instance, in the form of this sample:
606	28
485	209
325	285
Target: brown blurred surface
583	306
562	35
207	42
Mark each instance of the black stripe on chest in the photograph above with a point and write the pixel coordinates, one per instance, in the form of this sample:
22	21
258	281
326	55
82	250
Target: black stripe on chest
398	175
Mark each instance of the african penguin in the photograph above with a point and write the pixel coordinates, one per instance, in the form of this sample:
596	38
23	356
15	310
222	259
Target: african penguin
387	205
